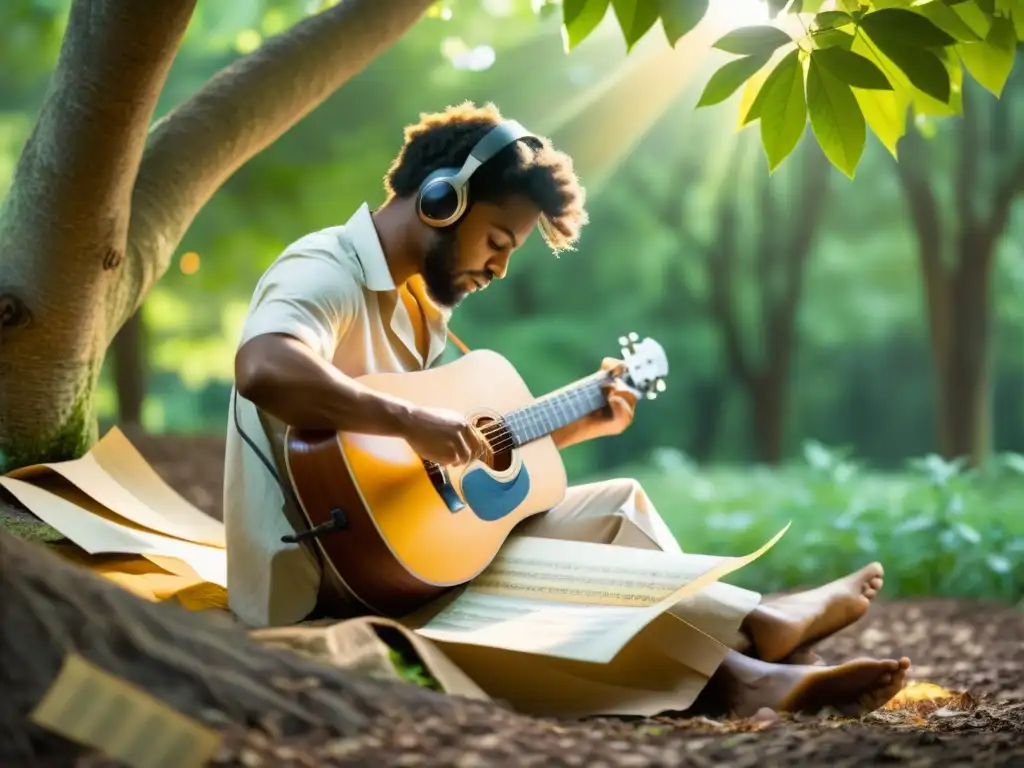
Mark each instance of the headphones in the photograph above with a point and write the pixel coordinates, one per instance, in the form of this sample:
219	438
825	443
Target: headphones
443	196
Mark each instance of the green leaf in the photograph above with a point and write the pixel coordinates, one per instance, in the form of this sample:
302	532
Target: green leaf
922	66
998	563
635	17
836	118
754	111
990	62
783	110
901	28
832	19
976	17
750	41
926	104
853	69
678	17
832	38
948	20
724	82
580	18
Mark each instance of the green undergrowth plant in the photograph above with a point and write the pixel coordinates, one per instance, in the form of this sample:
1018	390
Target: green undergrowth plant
939	528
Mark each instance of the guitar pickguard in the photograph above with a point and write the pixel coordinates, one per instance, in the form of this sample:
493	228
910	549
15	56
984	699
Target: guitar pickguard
492	499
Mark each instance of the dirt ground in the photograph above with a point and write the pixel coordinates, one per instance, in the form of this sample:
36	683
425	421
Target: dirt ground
970	647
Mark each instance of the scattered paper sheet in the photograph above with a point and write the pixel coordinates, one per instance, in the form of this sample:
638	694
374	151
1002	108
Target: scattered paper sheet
573	600
89	706
116	475
356	644
97	530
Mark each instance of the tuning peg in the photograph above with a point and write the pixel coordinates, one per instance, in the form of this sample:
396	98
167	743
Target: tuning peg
652	395
634	337
623	341
659	385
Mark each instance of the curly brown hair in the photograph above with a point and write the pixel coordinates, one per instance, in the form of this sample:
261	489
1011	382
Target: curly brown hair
531	168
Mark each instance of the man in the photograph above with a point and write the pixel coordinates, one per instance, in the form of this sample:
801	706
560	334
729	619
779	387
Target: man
375	295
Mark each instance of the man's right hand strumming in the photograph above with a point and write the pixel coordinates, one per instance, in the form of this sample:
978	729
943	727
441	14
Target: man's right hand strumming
443	436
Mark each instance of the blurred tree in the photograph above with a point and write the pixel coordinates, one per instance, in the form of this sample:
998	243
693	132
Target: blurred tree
782	217
959	225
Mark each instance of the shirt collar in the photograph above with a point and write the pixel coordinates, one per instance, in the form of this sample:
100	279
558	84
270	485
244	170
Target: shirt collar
364	238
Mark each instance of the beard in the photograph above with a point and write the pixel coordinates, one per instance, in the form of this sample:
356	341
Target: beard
439	274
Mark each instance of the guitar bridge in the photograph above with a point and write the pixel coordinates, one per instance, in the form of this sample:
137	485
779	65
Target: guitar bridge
439	479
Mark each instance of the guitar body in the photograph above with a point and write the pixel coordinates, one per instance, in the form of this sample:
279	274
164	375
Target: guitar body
413	532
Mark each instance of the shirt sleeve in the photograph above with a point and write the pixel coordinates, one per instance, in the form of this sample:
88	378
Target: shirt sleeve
309	296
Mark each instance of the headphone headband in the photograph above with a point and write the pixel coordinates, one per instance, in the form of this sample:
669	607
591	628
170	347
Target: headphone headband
495	140
442	197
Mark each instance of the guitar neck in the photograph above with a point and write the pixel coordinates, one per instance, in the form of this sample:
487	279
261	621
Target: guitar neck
557	409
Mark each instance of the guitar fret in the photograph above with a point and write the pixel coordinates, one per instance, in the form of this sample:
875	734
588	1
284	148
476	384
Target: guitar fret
556	410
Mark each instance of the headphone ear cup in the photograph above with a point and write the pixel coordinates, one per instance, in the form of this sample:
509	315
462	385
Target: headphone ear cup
439	203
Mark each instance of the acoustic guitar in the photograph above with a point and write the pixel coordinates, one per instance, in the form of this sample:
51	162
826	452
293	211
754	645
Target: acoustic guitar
399	531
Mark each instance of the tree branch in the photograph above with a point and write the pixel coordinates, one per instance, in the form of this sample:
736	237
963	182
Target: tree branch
720	263
64	223
239	112
924	210
816	175
968	161
769	252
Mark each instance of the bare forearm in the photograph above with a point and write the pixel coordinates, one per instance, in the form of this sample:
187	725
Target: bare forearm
284	378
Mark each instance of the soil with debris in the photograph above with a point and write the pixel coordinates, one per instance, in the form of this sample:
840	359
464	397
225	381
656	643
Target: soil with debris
973	648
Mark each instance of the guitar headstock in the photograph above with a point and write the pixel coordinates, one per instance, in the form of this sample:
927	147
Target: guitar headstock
646	365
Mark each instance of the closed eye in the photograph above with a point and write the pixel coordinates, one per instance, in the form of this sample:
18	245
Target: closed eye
494	246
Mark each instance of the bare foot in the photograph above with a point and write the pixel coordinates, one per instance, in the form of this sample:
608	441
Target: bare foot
854	688
781	624
804	656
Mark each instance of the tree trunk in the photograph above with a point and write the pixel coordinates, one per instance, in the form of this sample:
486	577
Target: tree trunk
73	265
957	290
64	223
709	399
130	370
203	665
768	418
966	376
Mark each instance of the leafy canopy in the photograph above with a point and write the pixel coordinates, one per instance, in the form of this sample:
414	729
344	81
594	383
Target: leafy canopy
851	65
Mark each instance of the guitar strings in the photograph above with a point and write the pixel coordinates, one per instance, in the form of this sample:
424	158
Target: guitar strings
508	439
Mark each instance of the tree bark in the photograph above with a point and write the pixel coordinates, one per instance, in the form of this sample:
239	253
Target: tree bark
94	213
64	224
131	369
203	665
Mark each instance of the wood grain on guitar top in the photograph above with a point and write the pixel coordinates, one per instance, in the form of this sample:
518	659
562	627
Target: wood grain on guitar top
404	543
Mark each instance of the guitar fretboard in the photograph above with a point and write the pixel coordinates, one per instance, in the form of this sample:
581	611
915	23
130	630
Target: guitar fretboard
557	409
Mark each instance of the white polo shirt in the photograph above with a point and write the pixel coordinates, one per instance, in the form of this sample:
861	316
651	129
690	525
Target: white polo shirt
332	290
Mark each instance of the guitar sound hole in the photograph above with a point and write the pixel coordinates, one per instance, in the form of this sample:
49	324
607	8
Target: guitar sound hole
500	440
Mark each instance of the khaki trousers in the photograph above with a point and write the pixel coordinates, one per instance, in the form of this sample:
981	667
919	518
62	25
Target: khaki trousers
618	512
